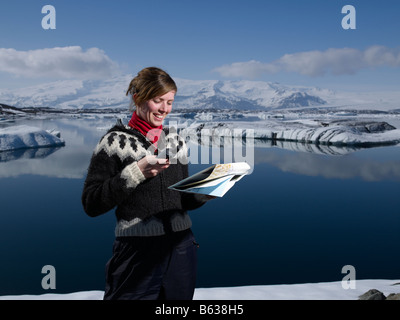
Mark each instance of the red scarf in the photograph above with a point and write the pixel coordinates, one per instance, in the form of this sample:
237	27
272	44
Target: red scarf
150	132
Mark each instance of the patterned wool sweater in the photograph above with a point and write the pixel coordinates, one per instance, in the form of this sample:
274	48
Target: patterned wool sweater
144	207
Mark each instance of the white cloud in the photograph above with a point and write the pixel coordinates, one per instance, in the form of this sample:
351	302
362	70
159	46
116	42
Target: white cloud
59	62
249	69
317	63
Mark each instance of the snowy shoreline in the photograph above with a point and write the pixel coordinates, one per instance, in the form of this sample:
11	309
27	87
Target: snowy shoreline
328	132
305	291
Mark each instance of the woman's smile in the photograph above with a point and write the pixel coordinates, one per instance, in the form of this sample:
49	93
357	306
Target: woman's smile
155	110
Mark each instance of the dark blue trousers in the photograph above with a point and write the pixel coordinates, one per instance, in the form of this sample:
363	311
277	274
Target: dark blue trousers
152	268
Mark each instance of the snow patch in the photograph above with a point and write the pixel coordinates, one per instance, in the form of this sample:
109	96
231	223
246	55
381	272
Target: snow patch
306	291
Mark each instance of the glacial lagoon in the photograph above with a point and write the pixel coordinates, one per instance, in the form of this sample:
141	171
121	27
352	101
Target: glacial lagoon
299	217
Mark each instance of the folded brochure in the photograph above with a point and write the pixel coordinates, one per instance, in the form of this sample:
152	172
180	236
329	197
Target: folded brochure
215	180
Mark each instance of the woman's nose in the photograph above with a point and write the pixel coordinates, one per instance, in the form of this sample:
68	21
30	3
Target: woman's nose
165	107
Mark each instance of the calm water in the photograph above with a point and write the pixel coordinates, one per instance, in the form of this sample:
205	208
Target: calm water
299	217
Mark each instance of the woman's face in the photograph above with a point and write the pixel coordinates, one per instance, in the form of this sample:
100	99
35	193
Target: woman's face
155	110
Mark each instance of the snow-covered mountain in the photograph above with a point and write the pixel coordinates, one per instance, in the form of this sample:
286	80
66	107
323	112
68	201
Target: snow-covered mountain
245	95
207	94
192	94
70	94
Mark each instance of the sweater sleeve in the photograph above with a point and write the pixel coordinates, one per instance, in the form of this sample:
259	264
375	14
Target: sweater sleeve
108	183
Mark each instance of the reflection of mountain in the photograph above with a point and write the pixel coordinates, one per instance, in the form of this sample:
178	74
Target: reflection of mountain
228	142
32	153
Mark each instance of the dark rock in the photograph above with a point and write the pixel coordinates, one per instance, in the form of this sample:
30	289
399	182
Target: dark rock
393	296
372	294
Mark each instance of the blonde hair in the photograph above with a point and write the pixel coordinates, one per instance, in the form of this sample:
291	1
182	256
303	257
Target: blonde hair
149	83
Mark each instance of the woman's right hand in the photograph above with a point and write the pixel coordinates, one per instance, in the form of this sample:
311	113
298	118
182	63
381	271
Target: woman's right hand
151	165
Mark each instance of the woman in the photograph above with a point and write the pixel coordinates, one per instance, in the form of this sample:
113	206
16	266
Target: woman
154	253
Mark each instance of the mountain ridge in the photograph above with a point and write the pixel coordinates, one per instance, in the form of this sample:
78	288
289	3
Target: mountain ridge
192	94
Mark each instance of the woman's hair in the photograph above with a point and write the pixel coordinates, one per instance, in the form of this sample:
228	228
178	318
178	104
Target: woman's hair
150	83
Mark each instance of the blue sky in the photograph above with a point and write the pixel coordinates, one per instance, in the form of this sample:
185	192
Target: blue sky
288	41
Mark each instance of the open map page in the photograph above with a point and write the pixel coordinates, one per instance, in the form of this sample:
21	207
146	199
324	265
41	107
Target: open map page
215	180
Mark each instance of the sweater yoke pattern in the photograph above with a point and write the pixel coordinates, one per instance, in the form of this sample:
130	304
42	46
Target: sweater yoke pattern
121	148
124	146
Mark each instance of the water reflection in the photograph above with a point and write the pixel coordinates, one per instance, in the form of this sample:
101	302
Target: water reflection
81	135
30	153
310	147
357	165
70	161
328	161
224	141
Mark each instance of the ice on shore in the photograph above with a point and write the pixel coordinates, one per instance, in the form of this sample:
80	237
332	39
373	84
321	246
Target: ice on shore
24	137
306	291
329	132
